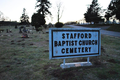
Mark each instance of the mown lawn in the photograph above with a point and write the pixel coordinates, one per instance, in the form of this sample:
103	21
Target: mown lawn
28	59
114	28
94	25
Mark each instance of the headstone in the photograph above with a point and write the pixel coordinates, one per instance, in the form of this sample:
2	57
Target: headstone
15	26
24	35
10	30
20	31
47	31
24	29
6	30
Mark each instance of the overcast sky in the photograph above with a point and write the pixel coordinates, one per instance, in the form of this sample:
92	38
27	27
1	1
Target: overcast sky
73	10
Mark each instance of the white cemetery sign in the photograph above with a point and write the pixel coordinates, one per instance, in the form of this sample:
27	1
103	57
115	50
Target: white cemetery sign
72	43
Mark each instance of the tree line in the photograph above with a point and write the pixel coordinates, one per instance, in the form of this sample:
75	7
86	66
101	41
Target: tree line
113	10
93	13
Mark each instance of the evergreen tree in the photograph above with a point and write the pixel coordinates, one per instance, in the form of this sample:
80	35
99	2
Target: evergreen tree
113	9
92	14
43	7
24	18
37	20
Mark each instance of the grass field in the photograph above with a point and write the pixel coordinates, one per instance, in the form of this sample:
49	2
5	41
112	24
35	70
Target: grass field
28	59
113	27
94	25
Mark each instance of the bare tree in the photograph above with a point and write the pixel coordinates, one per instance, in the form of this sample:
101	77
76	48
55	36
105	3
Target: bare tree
24	18
2	18
59	11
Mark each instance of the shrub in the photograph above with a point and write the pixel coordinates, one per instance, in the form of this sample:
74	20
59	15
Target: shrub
1	29
45	26
40	28
58	24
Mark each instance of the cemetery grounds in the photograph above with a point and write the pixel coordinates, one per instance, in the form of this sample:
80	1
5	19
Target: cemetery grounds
28	59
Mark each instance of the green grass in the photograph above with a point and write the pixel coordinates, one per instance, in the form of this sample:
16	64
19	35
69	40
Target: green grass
28	59
1	29
95	25
114	28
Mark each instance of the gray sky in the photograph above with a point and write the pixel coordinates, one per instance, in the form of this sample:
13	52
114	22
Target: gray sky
73	10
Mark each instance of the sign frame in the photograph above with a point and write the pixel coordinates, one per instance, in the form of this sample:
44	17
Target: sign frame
51	53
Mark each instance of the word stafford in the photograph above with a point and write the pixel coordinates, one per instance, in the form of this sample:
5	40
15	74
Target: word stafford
76	43
76	35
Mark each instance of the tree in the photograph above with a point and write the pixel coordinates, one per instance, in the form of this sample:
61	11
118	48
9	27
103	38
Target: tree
37	20
24	18
107	15
113	9
3	17
93	13
43	7
59	12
